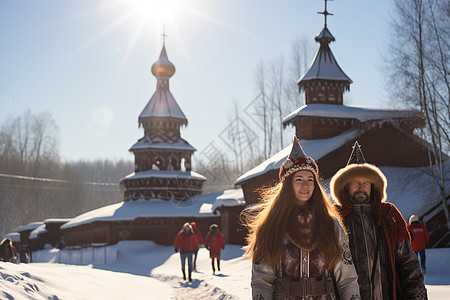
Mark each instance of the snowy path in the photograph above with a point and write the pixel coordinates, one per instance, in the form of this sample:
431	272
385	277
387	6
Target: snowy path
232	283
197	289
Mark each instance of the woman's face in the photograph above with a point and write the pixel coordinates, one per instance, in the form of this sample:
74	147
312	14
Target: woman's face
303	184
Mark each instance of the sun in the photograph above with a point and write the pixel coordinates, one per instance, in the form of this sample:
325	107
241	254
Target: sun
156	11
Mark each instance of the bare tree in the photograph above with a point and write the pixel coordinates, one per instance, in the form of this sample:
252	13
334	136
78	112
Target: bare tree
28	147
260	110
277	86
299	61
239	138
258	134
418	66
35	185
28	140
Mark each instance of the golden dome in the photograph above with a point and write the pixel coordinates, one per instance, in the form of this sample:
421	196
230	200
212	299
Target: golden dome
163	67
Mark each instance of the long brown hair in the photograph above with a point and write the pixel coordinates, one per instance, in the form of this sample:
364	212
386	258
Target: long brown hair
267	224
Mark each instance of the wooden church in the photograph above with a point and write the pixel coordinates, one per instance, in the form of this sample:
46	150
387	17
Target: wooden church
163	192
162	157
327	129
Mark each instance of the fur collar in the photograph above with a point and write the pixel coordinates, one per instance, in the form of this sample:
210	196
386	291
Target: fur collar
301	227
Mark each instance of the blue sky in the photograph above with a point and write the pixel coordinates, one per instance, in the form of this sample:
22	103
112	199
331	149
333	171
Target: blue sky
88	62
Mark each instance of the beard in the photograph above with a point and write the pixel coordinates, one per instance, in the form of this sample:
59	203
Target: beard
360	196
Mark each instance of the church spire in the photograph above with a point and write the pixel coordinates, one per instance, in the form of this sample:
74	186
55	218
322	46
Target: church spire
162	107
162	168
324	82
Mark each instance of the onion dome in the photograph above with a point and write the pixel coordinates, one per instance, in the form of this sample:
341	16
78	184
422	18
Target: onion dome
163	67
162	111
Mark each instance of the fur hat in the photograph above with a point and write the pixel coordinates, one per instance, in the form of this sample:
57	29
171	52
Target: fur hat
357	166
345	175
297	161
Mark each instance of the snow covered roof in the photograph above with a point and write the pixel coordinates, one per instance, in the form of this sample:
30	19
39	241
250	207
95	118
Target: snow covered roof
359	113
229	198
162	104
200	206
30	226
13	236
35	233
165	174
57	220
146	143
324	65
314	148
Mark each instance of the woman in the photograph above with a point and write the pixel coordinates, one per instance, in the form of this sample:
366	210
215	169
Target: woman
214	242
186	241
296	242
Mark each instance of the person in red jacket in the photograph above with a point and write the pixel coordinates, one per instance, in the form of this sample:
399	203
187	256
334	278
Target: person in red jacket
419	239
214	242
186	241
200	242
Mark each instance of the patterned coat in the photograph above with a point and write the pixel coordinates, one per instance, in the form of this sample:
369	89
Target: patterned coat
299	263
397	273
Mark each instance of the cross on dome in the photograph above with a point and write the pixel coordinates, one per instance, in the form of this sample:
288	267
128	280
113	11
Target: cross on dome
324	82
325	12
164	35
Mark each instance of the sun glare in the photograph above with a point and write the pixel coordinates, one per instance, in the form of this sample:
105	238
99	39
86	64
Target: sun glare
159	11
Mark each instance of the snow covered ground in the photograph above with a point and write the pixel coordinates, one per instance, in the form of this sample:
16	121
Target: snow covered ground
143	270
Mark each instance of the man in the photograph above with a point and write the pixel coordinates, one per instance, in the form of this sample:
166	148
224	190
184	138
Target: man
378	236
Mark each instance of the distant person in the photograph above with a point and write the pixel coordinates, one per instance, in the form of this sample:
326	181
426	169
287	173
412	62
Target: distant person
6	252
61	243
186	242
200	242
419	239
214	242
23	254
29	249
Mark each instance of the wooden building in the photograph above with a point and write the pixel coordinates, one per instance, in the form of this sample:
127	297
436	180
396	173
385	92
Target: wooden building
162	157
48	233
163	192
327	129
